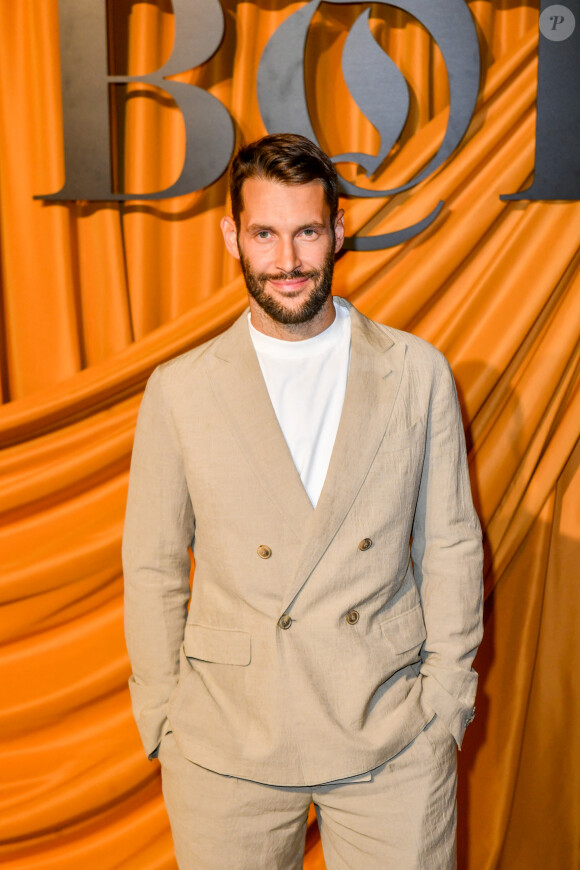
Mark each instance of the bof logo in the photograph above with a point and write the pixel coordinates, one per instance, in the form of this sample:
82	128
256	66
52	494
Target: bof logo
375	83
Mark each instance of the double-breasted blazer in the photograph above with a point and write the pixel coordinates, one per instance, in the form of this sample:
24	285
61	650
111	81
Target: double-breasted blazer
317	642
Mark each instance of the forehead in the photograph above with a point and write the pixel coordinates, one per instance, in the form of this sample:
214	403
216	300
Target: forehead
265	201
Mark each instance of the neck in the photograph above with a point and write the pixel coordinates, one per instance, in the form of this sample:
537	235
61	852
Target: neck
292	331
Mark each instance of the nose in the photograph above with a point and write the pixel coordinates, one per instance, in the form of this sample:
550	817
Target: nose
287	257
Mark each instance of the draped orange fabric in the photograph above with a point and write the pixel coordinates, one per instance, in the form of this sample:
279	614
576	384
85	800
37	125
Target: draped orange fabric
95	295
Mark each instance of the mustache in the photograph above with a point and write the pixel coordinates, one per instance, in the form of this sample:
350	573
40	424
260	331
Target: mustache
287	276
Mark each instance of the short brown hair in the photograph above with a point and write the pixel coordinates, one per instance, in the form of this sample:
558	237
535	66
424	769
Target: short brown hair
287	158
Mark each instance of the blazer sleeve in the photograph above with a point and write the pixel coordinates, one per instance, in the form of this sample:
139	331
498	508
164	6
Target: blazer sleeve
448	560
159	529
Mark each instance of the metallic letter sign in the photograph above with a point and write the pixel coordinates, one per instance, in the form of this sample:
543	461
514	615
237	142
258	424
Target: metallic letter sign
208	126
557	163
379	89
376	85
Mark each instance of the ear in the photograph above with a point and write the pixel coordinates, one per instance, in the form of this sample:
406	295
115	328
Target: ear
230	233
339	230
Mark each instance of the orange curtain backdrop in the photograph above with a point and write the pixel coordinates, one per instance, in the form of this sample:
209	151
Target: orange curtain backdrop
94	296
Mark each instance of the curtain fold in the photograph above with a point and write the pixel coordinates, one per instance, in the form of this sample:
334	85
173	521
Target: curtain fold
94	296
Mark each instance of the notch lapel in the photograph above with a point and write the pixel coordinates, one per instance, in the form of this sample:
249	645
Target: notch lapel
376	367
241	392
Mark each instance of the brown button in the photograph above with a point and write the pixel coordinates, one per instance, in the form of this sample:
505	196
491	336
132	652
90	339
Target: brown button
264	552
285	621
365	544
352	617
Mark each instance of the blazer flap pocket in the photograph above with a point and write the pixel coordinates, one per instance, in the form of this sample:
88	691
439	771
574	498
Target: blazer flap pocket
220	645
405	631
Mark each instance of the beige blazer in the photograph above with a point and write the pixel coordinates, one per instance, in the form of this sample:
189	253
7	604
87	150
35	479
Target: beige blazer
317	643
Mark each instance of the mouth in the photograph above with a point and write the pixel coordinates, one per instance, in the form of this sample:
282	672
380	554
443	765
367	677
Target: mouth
290	286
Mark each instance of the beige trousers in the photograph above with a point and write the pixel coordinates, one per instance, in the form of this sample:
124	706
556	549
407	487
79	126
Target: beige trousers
403	817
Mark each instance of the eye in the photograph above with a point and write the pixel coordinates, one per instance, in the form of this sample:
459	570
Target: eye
309	233
263	234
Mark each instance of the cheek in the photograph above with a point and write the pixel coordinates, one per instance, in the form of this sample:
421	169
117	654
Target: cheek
258	257
251	265
315	257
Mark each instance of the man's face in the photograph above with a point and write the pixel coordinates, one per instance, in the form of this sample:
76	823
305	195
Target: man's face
286	246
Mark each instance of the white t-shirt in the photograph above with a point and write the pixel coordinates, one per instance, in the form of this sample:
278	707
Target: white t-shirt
306	381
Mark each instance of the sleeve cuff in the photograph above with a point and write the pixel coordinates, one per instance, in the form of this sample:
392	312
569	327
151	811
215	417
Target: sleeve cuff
456	715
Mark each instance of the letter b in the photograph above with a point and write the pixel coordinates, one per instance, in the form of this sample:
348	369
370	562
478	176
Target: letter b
87	143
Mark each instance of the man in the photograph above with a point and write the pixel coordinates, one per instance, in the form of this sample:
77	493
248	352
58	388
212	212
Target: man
315	461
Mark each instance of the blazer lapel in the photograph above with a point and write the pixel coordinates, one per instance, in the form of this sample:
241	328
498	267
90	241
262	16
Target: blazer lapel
241	392
376	367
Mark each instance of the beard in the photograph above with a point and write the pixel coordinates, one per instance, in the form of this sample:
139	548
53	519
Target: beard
322	278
